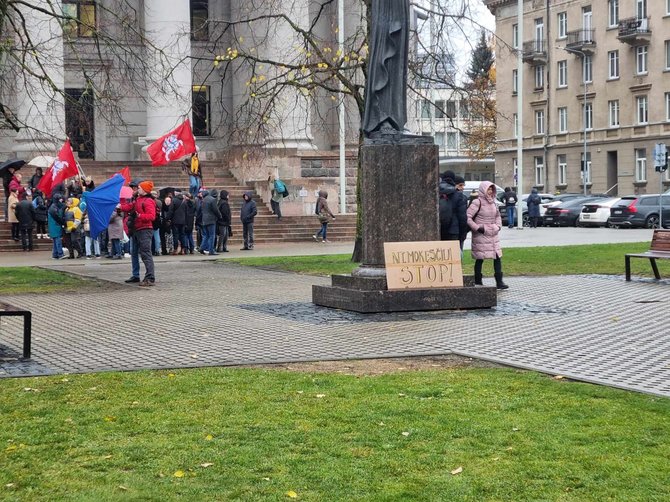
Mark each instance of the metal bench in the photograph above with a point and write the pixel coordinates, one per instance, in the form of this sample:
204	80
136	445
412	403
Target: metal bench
658	250
7	310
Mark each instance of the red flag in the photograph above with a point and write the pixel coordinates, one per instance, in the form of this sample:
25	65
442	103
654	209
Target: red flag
125	172
173	145
62	168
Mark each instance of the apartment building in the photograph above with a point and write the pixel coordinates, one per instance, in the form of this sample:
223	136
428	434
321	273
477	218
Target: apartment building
447	116
595	93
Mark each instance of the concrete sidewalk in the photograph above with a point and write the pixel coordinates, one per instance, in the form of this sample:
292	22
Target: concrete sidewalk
509	238
594	328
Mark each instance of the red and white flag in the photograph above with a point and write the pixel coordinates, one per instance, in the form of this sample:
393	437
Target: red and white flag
63	167
173	145
125	172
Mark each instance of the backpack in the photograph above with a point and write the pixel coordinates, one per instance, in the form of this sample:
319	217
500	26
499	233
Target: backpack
446	214
317	208
280	187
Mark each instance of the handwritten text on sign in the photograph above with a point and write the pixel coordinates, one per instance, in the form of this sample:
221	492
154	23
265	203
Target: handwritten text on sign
421	265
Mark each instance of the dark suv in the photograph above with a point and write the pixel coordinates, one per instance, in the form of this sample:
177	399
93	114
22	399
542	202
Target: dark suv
639	211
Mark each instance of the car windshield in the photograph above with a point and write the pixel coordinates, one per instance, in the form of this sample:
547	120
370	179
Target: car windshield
576	202
625	201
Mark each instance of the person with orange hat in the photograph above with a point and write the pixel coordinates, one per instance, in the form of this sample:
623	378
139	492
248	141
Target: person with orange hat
140	225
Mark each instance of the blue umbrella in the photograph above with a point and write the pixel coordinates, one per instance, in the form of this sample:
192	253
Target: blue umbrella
102	202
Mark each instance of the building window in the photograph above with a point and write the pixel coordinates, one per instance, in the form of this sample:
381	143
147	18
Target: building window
612	13
667	11
642	110
562	74
587	69
452	141
464	109
451	109
563	24
667	53
539	34
539	171
81	22
201	110
199	17
667	106
613	107
515	81
439	109
516	125
641	59
640	164
562	175
539	77
425	109
613	60
587	113
641	9
586	172
563	119
439	139
539	122
515	36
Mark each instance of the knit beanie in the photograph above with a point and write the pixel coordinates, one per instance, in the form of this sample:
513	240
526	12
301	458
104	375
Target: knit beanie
147	186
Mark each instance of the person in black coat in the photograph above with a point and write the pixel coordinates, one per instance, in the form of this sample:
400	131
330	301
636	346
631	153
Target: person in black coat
210	215
247	215
25	213
224	223
453	210
190	220
41	215
177	215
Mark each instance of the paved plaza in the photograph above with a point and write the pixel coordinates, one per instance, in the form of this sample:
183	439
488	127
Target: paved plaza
202	313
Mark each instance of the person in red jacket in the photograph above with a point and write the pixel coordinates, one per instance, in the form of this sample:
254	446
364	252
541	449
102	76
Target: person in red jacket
142	212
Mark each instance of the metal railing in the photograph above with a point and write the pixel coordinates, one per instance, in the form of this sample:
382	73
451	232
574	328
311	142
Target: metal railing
633	26
534	47
580	37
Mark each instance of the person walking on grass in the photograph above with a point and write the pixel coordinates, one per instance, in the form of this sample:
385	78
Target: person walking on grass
247	215
325	216
485	222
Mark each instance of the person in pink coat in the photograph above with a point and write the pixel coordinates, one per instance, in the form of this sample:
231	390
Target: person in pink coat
485	222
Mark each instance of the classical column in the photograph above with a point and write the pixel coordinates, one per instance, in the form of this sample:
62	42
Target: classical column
40	84
288	123
168	70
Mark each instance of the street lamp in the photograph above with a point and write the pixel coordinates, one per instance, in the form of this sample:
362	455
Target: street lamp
583	56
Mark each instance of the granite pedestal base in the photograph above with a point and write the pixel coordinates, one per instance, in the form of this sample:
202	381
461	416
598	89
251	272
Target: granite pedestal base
370	295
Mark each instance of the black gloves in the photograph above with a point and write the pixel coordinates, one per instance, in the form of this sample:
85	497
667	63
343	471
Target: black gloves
481	230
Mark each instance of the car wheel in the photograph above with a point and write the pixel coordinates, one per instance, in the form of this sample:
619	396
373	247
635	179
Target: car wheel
526	220
611	225
651	221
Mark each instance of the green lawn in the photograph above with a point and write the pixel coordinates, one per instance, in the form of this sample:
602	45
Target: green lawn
535	261
16	280
243	434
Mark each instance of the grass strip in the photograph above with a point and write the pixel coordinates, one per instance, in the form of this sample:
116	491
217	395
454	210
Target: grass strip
533	261
245	434
17	280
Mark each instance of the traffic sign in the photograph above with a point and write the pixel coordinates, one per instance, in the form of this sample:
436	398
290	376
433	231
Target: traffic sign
660	157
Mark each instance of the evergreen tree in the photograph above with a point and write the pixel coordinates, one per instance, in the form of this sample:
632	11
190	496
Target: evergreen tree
482	61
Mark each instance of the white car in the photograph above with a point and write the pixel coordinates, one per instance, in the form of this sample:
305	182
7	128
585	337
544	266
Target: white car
597	213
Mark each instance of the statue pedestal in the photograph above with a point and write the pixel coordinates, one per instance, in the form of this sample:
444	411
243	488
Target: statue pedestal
399	200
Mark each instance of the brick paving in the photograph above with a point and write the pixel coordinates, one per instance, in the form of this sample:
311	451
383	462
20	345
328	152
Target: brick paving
598	329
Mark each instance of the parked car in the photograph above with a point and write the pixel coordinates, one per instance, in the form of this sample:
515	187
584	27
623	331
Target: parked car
597	213
640	211
566	214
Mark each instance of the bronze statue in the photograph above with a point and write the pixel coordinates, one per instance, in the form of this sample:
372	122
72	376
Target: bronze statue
386	86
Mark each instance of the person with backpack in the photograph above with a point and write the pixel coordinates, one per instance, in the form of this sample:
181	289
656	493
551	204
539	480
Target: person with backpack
485	222
509	198
277	193
325	216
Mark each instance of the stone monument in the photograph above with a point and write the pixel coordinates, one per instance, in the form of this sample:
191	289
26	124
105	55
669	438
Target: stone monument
399	184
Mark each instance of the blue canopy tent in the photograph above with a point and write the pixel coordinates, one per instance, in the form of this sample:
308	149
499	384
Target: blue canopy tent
102	202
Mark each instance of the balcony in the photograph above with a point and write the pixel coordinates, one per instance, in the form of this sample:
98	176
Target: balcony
583	41
534	52
634	31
